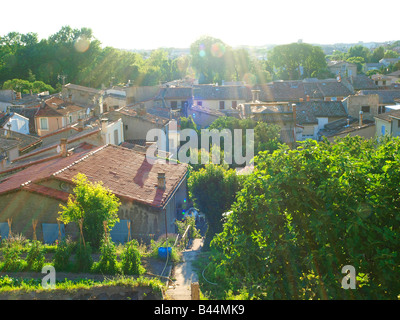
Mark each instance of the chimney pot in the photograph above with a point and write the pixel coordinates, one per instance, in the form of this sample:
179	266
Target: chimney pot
80	125
63	146
161	180
8	130
104	123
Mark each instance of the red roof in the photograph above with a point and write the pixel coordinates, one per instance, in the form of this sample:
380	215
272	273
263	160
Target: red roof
35	172
56	107
128	174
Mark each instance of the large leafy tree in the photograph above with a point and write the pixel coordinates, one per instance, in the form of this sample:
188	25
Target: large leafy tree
297	60
208	59
304	214
92	203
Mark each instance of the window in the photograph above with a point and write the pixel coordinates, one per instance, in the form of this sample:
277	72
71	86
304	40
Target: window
234	104
174	104
222	105
70	119
200	103
126	127
365	109
44	124
381	109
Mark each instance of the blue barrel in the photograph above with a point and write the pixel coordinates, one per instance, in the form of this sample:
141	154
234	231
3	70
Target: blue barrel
162	252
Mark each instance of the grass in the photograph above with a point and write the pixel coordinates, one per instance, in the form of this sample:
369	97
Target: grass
20	285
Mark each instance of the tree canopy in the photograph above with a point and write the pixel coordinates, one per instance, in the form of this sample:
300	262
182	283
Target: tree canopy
304	214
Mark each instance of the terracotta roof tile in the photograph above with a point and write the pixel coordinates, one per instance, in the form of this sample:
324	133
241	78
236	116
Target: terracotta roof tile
37	171
128	174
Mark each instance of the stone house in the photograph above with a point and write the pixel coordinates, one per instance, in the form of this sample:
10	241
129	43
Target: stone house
366	105
348	127
15	122
343	68
314	115
14	144
56	113
83	96
151	194
388	123
221	98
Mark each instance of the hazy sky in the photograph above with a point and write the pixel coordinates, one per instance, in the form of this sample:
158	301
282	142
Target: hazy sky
151	24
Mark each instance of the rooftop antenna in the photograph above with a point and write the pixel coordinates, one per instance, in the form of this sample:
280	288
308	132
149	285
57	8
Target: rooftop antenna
62	77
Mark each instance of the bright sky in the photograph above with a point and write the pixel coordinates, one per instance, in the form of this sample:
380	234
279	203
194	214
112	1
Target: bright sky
150	24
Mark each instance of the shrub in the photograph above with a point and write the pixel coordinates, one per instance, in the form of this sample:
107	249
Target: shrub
83	258
62	255
108	259
131	258
35	257
11	257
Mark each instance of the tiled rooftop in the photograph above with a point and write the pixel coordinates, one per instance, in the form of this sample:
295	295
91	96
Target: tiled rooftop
128	174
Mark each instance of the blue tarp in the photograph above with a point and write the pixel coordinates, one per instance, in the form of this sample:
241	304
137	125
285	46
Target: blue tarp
4	230
50	232
119	233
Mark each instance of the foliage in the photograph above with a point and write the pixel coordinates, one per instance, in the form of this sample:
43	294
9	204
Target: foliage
358	61
297	60
83	261
24	86
304	214
108	262
213	190
63	254
94	204
11	257
35	257
131	259
182	225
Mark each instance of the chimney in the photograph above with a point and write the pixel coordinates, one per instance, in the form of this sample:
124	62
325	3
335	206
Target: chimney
294	113
361	118
104	123
256	95
3	163
308	98
161	180
8	130
80	125
63	146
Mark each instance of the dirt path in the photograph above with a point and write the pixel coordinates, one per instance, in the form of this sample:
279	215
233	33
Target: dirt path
184	273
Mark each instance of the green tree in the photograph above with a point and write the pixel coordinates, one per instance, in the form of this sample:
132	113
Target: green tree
359	61
304	214
297	60
377	54
213	190
390	54
208	59
359	51
93	203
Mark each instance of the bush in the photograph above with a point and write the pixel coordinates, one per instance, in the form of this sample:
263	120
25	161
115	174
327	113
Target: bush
35	257
83	258
11	257
62	255
131	258
108	260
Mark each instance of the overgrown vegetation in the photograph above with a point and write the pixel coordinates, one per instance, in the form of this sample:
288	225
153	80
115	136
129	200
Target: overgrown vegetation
304	214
